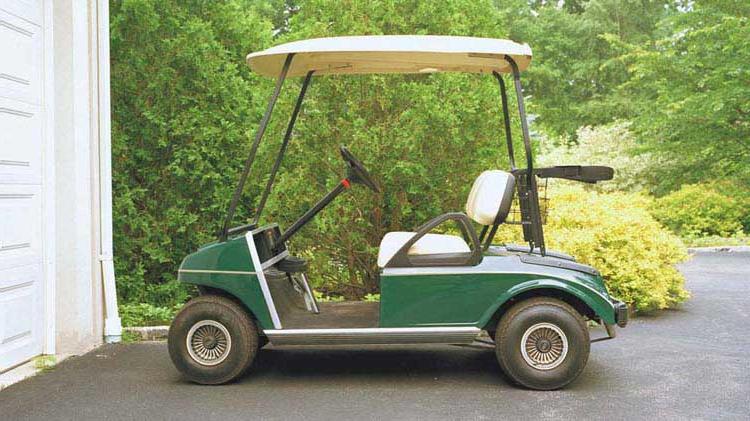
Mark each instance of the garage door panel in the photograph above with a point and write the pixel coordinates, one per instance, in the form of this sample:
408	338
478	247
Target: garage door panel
22	131
20	297
21	64
21	228
21	135
29	10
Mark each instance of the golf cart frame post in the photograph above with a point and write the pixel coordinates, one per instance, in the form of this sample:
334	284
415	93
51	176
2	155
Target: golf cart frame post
527	189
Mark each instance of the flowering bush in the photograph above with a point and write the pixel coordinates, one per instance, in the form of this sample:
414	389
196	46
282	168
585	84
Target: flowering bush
613	145
698	210
615	233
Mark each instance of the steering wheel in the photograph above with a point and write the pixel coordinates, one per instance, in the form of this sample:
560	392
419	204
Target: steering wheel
356	172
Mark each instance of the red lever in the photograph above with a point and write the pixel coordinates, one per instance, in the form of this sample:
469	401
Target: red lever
346	183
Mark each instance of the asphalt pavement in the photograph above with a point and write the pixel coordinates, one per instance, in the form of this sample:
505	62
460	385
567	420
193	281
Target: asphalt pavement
690	363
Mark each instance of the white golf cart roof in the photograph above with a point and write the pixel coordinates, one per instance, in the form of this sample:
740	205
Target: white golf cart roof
391	54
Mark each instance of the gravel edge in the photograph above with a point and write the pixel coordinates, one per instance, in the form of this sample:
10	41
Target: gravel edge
722	249
149	333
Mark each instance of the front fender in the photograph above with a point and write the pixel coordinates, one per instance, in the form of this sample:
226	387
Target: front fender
598	303
227	266
243	287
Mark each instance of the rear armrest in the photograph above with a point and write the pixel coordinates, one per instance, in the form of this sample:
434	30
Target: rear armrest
402	259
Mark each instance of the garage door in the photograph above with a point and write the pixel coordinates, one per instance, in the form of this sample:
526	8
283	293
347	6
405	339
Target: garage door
21	143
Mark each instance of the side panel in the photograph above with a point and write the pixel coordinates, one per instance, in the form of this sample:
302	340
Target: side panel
442	300
469	296
228	266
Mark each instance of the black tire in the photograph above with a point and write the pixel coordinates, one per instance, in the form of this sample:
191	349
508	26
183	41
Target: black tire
243	339
491	334
262	341
542	316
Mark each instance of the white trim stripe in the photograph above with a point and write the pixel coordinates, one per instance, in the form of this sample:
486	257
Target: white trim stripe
377	330
226	272
262	281
272	261
418	335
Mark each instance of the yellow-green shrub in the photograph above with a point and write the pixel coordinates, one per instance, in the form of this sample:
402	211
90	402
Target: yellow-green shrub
700	210
615	233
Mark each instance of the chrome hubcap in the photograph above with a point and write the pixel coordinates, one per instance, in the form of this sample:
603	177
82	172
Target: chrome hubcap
208	342
544	346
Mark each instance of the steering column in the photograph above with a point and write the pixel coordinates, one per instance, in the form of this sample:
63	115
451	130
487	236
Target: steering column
356	173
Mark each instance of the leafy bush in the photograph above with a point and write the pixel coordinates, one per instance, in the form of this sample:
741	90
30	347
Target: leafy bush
322	298
615	233
739	191
699	210
184	105
372	298
145	314
739	239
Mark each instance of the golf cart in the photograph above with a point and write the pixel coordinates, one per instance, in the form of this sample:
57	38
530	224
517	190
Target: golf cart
434	288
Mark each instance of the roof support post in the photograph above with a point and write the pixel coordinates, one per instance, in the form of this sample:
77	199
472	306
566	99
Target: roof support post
254	149
506	119
284	144
536	239
485	237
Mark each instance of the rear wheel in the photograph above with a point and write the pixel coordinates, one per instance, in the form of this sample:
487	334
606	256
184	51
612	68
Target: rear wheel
213	340
542	343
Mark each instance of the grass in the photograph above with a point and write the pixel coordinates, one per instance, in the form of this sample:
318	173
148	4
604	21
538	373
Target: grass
45	363
130	337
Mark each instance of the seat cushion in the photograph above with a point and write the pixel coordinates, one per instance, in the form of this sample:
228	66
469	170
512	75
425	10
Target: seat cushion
429	244
490	197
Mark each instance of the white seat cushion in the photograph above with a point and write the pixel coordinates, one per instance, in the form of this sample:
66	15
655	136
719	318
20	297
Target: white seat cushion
429	244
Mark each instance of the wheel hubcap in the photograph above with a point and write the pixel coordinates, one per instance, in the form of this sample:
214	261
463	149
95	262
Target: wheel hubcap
208	342
544	346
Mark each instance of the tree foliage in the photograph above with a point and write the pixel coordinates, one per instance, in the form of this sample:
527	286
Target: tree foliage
692	94
576	68
185	109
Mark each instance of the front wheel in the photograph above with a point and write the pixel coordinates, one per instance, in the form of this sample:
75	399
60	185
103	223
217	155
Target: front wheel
212	340
542	343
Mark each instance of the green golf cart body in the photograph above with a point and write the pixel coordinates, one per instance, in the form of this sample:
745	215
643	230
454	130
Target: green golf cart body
470	296
434	288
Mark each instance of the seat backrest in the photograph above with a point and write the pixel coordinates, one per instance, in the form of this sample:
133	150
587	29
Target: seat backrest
490	197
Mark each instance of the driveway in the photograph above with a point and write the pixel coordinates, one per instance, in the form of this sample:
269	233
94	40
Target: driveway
690	363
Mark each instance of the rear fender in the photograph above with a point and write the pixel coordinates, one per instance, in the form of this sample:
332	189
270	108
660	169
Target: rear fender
597	303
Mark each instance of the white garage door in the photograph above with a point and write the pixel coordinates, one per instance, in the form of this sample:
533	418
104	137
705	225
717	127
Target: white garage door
21	144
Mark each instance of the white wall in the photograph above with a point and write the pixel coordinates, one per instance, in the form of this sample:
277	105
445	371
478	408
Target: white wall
78	287
55	215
